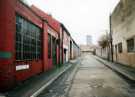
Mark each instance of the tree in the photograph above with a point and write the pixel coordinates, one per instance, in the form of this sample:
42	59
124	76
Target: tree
104	41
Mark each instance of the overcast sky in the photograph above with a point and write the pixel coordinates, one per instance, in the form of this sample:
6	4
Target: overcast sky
81	17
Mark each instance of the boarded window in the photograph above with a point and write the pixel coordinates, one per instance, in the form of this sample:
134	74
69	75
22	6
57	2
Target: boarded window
28	40
120	47
131	45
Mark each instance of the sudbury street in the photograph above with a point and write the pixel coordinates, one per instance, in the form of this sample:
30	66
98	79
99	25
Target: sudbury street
90	78
70	48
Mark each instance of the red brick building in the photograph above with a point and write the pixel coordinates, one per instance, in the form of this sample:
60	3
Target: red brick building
31	42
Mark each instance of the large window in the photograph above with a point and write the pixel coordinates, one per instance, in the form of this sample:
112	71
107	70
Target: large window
120	47
49	45
131	45
28	40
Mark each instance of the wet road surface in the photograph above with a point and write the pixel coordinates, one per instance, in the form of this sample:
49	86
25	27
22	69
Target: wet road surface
89	78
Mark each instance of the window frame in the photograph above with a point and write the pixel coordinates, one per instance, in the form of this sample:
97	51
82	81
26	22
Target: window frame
120	48
129	50
27	50
49	45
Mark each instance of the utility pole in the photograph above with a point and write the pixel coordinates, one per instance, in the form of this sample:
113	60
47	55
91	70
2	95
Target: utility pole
108	44
111	39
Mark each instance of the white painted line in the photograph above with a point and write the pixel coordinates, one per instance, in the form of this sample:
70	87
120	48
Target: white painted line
48	83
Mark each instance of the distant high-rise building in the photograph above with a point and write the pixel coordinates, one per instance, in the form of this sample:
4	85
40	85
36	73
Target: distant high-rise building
89	39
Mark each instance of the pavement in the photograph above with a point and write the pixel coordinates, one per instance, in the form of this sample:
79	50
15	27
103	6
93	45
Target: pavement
34	85
126	71
62	85
89	78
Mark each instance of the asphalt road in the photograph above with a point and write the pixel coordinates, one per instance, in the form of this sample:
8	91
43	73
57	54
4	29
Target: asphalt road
89	78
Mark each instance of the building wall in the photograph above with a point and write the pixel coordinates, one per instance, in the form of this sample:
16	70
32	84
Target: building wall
71	52
66	45
9	74
76	50
7	32
123	28
53	60
53	28
34	66
61	45
102	52
69	48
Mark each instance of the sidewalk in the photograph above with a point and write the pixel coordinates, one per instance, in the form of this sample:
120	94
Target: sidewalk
126	71
34	86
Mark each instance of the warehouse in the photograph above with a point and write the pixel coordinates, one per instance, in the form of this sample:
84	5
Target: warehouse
32	42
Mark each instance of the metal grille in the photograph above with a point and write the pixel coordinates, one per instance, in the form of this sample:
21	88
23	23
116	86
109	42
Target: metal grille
28	40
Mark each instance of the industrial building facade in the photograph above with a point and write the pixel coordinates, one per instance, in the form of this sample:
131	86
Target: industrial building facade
31	41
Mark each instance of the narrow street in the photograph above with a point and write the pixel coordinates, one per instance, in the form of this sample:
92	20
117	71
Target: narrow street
70	48
91	79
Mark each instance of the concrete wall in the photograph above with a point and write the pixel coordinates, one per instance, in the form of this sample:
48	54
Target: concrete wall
102	52
123	28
